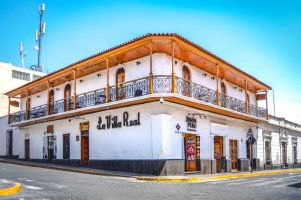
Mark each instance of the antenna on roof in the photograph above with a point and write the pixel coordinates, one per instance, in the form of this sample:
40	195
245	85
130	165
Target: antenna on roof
39	34
22	54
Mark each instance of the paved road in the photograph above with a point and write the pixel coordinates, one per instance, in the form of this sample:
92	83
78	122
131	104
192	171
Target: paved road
45	184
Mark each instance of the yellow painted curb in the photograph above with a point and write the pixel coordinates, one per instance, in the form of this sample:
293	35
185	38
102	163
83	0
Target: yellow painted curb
214	178
11	190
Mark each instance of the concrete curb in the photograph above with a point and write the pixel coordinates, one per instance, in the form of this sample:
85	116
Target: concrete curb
214	178
11	190
83	171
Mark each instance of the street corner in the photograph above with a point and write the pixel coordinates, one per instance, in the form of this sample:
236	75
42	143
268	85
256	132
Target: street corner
8	187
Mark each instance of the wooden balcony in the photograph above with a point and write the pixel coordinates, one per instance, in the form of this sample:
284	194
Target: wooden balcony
160	85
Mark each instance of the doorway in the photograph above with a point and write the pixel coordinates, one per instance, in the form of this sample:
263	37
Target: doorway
66	146
233	154
84	147
27	149
190	152
218	152
284	153
50	142
120	79
9	143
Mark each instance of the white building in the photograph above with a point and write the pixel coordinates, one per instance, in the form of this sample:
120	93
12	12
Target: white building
11	77
158	104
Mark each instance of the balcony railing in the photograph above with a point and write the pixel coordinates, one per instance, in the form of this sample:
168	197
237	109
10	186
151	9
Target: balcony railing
162	84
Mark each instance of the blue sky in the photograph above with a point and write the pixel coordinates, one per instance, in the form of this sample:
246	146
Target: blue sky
262	38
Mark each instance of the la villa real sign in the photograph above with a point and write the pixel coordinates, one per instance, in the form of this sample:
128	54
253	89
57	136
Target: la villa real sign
110	121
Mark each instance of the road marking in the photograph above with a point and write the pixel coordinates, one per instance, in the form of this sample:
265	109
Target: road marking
224	181
31	187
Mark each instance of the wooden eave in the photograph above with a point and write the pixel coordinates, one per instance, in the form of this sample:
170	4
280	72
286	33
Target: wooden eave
139	47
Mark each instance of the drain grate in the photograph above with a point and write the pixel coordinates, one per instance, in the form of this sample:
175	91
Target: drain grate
296	185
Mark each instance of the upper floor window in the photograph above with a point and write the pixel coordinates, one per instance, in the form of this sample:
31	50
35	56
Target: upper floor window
51	101
28	107
35	77
223	88
20	75
186	73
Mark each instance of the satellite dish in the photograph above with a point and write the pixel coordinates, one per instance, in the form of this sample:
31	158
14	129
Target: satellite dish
36	48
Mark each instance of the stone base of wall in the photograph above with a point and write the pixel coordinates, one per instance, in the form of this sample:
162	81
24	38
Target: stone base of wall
155	167
208	166
243	164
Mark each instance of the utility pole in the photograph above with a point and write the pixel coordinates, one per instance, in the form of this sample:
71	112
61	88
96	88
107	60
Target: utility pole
22	54
39	34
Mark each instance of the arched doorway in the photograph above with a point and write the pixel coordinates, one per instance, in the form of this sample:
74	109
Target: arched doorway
120	79
223	95
28	108
186	90
51	102
67	97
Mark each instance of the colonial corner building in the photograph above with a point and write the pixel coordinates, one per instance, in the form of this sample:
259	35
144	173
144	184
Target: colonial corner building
159	104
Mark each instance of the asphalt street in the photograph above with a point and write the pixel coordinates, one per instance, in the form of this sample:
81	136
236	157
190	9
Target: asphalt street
39	183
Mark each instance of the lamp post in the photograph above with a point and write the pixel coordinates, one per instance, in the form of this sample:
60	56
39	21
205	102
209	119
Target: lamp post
250	141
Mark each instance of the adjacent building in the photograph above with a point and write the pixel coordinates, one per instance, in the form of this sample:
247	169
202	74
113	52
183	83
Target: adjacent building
159	104
11	77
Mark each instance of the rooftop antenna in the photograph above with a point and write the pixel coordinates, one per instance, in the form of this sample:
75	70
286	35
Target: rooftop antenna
39	34
22	54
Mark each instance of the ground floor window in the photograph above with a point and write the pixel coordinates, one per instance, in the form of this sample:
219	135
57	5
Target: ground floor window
268	156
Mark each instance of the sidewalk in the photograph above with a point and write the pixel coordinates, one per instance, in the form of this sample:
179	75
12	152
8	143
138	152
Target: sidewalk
197	177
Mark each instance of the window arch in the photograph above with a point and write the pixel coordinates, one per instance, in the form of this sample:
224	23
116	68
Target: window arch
120	79
186	73
51	101
67	97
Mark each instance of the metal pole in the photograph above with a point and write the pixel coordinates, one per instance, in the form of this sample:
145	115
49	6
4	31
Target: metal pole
39	42
251	156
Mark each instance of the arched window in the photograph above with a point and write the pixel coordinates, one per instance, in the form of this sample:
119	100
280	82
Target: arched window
67	97
28	108
51	102
223	88
120	79
186	73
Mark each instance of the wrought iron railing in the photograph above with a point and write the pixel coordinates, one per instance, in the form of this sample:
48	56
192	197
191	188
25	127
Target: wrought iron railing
162	84
139	87
90	98
195	91
39	111
233	103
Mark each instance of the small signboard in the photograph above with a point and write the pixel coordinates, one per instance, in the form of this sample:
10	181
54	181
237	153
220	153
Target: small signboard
84	126
191	123
50	129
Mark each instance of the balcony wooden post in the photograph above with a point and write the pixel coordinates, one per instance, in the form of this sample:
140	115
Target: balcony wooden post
173	76
151	84
74	90
266	105
8	110
247	99
217	87
108	82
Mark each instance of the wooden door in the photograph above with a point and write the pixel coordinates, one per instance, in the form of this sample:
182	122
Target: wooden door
190	152
84	150
28	108
233	154
67	97
27	149
186	90
51	102
218	152
120	79
66	146
50	140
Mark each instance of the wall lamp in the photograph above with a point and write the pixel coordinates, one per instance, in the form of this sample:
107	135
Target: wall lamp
138	63
81	80
98	75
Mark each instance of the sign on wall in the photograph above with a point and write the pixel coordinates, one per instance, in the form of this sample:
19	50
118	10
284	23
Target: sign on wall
84	126
110	121
50	129
191	123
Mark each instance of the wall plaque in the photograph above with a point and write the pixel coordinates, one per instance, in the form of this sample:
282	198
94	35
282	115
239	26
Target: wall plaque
191	123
